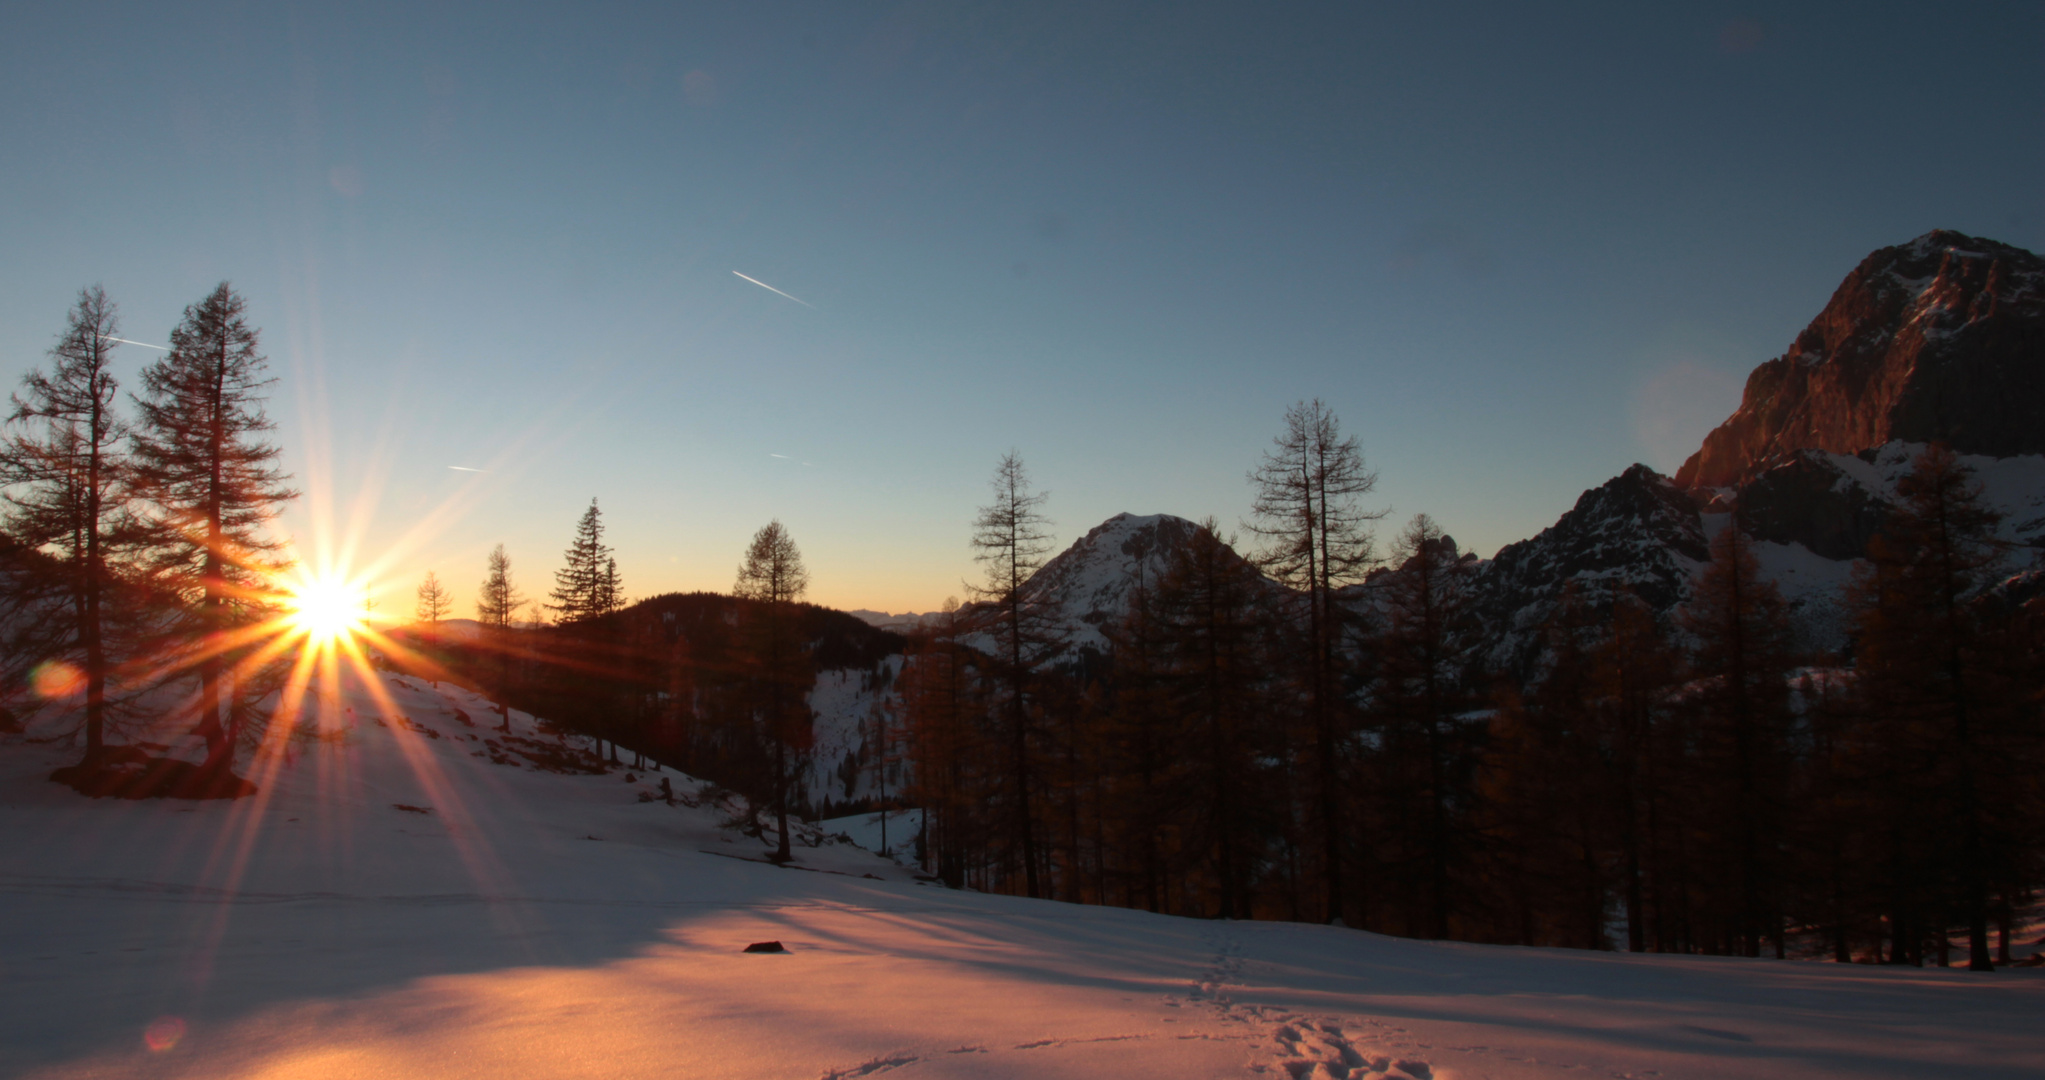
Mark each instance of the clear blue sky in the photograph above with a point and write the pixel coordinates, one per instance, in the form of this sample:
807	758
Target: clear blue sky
1516	250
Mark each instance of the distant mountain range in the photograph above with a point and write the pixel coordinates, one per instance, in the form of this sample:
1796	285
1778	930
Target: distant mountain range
1942	338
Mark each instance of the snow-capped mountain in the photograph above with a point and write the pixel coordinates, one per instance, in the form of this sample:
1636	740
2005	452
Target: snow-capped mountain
901	624
1939	338
1090	581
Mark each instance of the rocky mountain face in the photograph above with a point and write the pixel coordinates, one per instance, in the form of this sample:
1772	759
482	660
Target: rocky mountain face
1940	339
1638	532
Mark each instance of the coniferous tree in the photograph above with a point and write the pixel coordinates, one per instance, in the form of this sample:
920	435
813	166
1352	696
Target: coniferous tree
1633	671
1214	656
1740	777
1012	539
773	576
63	468
211	487
497	604
1142	727
1939	672
433	601
1569	799
940	698
498	601
1427	751
587	586
1319	539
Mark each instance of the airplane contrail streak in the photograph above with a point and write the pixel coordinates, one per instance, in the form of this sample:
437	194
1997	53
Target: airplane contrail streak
465	468
125	341
772	289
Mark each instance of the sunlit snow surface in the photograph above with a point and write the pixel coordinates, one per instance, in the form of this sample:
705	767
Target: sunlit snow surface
532	924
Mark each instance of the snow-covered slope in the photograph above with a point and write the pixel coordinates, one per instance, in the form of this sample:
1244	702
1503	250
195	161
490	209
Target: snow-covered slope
1090	581
416	898
849	707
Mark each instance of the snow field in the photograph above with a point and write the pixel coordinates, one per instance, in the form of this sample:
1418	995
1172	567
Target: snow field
399	903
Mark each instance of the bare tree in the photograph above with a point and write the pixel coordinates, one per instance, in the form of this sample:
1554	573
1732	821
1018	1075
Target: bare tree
1421	692
499	600
773	575
1012	539
433	601
1318	538
63	467
497	604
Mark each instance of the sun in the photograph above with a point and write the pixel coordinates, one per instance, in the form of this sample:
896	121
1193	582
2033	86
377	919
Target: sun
327	609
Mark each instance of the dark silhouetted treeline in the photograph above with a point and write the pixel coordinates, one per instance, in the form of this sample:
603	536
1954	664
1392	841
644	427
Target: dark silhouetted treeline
1671	782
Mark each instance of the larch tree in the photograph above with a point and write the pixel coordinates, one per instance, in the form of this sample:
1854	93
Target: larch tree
938	690
1012	539
1211	630
497	604
498	601
63	466
1741	734
1422	693
773	576
433	601
1317	538
211	487
1937	671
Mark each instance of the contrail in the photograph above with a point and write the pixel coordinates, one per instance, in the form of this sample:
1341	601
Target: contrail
125	341
465	468
772	289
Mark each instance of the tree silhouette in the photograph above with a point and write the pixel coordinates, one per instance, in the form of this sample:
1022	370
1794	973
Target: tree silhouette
1317	539
1937	667
433	601
587	585
497	603
1012	538
773	576
63	468
211	488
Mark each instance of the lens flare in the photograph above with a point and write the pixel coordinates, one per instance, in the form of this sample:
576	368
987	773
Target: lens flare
54	679
163	1033
328	609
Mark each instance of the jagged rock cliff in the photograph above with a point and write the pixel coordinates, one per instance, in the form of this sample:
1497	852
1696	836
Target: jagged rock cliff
1940	339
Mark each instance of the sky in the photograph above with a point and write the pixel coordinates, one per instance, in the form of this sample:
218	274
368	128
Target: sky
1514	250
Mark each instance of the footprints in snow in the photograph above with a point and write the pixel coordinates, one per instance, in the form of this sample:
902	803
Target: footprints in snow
1299	1048
1308	1050
1288	1046
877	1065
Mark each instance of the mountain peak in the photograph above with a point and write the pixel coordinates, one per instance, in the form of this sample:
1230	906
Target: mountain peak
1932	340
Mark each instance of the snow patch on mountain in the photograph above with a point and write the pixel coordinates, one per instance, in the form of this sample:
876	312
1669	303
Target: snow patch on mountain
847	706
1090	581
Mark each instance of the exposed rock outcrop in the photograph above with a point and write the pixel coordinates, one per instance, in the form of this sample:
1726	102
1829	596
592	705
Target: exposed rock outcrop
1810	499
1940	339
1637	532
